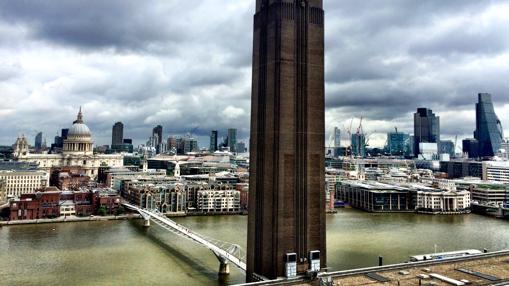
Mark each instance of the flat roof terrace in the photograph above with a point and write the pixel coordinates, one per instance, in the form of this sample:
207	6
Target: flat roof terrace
484	269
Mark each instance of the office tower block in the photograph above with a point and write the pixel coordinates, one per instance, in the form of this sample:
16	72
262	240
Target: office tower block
398	143
426	128
38	141
213	141
232	139
117	134
489	132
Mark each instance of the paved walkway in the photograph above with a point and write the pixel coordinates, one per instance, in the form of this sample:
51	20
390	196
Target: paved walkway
69	219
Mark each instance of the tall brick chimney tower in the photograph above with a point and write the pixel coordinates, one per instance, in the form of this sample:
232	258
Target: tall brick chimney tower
286	224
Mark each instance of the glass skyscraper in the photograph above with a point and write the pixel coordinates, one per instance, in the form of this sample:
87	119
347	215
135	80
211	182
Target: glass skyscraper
471	147
232	139
398	143
337	137
213	141
426	128
38	141
358	145
489	132
446	147
117	134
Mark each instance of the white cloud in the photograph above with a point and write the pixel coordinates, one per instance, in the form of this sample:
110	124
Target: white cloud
173	64
232	112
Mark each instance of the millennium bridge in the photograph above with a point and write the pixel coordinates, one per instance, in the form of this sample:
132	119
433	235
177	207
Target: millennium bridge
225	252
483	269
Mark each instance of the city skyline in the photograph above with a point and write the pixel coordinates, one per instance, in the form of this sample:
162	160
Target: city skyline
179	89
140	76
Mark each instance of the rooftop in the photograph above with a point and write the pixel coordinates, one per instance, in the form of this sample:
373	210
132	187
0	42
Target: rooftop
483	269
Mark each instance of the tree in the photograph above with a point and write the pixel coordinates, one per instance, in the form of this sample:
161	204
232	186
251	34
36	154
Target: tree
102	211
120	210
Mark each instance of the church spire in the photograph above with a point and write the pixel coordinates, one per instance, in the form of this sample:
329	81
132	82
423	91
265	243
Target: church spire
79	119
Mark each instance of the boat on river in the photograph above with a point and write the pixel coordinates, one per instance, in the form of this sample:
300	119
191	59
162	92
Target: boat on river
444	255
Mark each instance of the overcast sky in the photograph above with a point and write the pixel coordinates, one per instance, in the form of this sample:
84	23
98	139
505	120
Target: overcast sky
186	65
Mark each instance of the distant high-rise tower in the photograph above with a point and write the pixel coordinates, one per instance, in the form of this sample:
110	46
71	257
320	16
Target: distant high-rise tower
213	141
190	145
489	132
446	147
471	147
337	137
358	145
38	141
117	134
172	144
65	132
286	224
398	143
159	131
232	139
426	128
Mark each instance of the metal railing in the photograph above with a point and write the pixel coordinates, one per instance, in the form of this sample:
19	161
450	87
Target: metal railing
224	251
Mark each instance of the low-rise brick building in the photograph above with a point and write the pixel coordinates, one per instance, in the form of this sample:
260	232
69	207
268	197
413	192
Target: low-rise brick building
50	202
69	178
37	205
107	199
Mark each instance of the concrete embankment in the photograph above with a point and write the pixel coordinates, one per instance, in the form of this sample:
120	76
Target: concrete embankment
102	218
69	219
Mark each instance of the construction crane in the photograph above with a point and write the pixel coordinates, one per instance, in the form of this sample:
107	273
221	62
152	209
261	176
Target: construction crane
359	129
360	139
190	134
331	140
350	129
349	132
367	136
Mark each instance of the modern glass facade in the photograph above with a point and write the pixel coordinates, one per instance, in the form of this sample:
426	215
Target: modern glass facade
446	147
358	145
398	144
426	128
213	141
38	141
232	139
159	131
337	137
471	147
489	132
117	134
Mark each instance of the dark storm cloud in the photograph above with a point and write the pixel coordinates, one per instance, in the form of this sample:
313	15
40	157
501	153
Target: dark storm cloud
386	58
96	24
187	64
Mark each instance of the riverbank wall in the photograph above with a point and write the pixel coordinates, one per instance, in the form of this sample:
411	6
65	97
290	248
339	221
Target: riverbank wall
69	219
105	218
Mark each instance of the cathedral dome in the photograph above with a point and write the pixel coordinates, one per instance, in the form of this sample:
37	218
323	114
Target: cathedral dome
79	129
79	138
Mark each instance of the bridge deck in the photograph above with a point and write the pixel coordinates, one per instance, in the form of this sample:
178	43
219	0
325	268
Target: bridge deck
222	250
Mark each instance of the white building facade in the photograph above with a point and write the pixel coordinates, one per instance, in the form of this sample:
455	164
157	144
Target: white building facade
496	171
17	183
218	201
441	201
77	151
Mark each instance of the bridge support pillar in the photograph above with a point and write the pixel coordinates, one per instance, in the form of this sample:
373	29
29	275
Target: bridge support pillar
224	268
146	223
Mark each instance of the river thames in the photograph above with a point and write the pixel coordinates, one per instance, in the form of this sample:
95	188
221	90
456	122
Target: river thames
124	253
